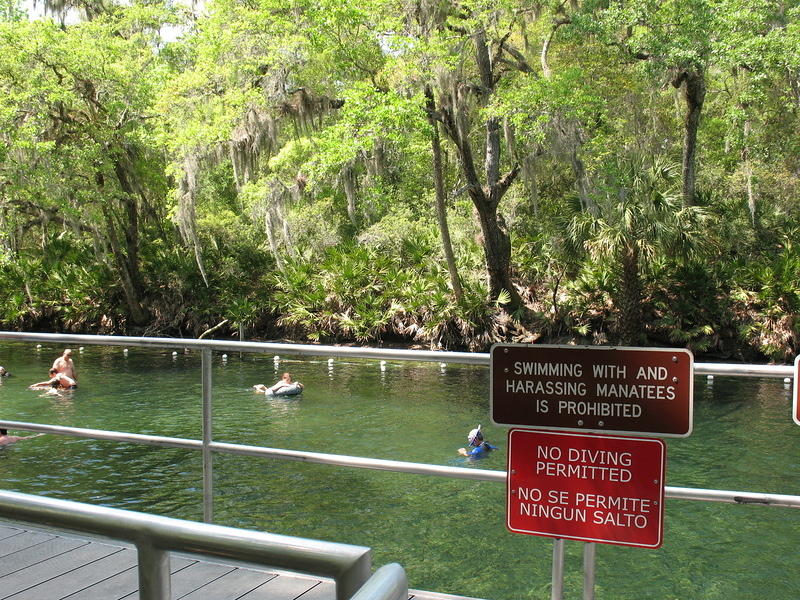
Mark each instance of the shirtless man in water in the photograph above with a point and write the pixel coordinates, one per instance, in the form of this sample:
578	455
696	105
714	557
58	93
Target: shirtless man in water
57	380
63	364
7	440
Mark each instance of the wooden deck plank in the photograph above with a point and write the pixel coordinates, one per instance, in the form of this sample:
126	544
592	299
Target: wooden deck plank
45	570
46	565
423	595
325	590
286	587
22	541
34	555
8	531
191	578
82	577
230	586
124	583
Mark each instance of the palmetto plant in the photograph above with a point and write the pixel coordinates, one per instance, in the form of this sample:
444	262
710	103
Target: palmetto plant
768	298
638	214
363	293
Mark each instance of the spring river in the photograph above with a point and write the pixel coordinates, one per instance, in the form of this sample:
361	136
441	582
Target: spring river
449	534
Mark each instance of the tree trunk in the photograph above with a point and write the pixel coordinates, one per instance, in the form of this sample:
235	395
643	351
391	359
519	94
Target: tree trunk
126	255
130	286
694	93
485	198
630	298
441	209
748	172
497	253
496	239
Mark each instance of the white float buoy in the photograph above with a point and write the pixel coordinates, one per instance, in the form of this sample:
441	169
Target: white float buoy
787	380
80	349
174	353
276	358
124	350
330	361
38	346
224	357
383	365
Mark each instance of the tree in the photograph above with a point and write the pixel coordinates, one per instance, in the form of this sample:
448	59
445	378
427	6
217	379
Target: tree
639	217
673	40
76	128
467	71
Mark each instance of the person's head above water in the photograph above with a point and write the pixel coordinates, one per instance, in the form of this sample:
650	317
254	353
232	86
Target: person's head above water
3	371
475	437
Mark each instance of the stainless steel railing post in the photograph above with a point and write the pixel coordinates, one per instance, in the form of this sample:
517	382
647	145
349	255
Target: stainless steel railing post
558	569
387	583
154	572
589	555
208	459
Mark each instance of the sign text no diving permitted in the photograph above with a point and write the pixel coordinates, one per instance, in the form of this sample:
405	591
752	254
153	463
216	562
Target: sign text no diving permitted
588	487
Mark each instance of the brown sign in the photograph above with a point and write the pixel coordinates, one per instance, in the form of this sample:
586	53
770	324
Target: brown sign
593	388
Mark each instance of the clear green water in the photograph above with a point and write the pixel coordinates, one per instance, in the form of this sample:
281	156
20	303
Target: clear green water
449	534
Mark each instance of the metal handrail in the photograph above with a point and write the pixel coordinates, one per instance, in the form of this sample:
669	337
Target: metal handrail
155	536
398	466
387	583
465	358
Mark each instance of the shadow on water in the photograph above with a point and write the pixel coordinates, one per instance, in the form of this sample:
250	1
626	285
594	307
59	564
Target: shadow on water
450	535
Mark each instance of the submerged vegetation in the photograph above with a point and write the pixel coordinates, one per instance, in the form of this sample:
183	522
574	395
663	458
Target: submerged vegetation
448	174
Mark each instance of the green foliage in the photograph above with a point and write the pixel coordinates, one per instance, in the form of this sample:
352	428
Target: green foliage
766	299
364	293
292	144
536	105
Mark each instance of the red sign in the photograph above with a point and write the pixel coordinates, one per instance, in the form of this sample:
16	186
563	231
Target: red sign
796	394
588	487
593	388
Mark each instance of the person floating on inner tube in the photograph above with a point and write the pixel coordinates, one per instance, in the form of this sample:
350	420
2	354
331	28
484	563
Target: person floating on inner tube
479	447
281	386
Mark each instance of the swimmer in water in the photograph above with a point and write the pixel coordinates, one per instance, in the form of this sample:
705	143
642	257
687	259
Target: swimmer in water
479	447
284	382
57	380
7	440
63	364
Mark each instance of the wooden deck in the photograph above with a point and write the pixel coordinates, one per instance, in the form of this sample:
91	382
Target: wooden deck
40	564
